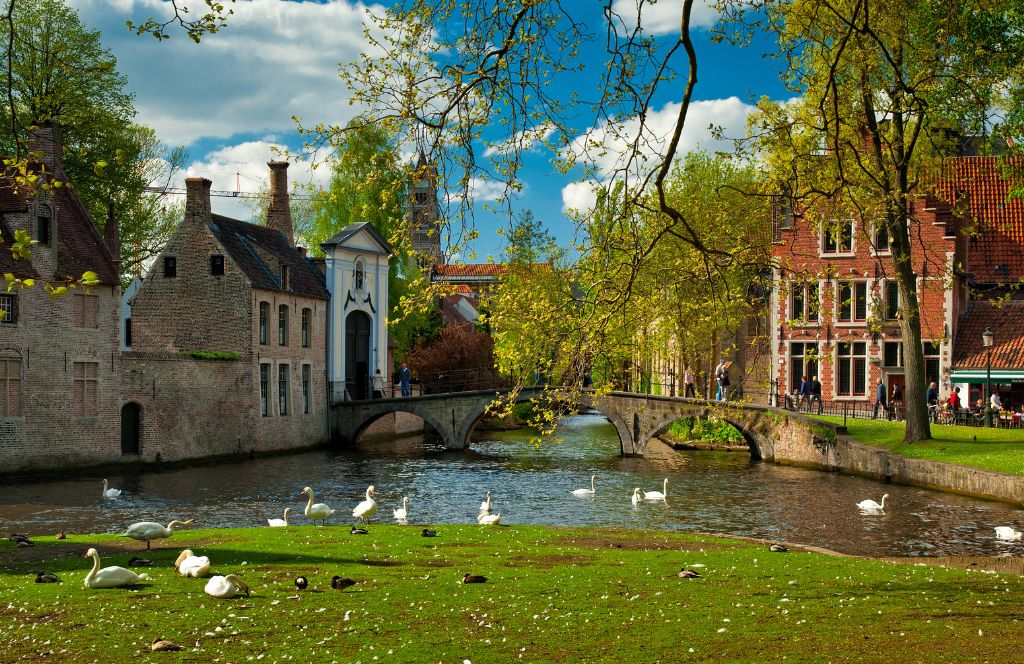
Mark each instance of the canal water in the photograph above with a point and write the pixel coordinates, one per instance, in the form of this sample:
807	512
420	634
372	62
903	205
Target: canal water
708	492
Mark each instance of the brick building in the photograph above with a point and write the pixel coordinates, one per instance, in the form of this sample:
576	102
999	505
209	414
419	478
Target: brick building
59	359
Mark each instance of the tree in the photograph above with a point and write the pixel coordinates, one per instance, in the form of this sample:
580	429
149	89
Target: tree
877	83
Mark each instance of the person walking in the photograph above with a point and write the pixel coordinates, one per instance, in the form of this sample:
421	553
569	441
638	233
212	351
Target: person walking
879	399
816	394
805	394
931	398
377	385
896	403
689	388
722	378
405	380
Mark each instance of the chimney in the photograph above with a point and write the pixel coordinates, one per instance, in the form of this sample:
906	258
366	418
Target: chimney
197	200
44	143
112	237
279	214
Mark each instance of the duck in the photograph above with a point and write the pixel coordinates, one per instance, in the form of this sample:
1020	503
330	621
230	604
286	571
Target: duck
280	523
189	564
316	511
60	536
688	574
47	577
110	492
340	583
366	508
163	645
140	562
488	519
225	587
474	578
428	533
871	506
638	496
778	548
658	495
1007	533
485	506
301	582
109	577
146	531
402	513
587	492
358	531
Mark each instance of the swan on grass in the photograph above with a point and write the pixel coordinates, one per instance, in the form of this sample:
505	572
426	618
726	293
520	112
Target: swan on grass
588	492
146	531
109	577
1007	533
871	506
280	523
189	564
225	587
488	519
638	496
485	506
366	508
315	511
110	492
657	495
402	513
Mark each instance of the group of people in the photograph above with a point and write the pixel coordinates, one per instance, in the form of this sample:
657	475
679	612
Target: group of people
377	384
953	405
809	393
893	408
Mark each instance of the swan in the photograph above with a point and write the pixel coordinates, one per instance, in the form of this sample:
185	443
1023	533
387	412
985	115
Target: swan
280	523
225	587
189	564
1007	533
488	519
364	510
402	513
145	531
588	492
485	506
638	496
109	577
657	495
110	493
871	506
318	510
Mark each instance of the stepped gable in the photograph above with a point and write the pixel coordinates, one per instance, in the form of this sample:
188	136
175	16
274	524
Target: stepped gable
1007	325
250	246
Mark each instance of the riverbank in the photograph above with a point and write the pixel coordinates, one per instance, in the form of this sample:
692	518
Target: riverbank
552	594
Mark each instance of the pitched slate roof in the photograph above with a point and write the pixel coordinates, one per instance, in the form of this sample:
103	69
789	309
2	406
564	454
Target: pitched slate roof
260	251
353	229
1007	325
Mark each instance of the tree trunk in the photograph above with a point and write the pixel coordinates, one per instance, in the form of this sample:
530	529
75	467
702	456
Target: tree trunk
918	426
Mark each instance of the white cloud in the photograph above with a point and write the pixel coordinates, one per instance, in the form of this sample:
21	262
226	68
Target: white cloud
524	140
579	197
661	17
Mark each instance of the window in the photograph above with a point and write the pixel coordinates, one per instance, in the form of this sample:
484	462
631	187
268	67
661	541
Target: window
265	390
170	266
10	387
306	396
217	265
264	322
852	301
838	239
932	350
307	316
358	279
128	332
851	368
421	197
803	361
803	302
84	309
786	214
881	238
85	391
282	389
8	308
282	325
43	227
892	300
892	353
285	277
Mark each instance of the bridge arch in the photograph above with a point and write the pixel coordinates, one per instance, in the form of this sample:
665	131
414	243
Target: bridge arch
360	427
662	425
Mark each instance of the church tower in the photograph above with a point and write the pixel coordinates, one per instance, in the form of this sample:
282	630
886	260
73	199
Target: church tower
424	214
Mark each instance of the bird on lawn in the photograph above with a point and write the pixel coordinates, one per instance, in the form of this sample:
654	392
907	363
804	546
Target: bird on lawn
777	548
316	511
301	582
358	531
139	562
163	645
46	577
474	578
20	540
339	583
429	533
688	574
366	508
60	536
146	531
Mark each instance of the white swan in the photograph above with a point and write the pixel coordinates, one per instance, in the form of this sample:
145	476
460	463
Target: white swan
588	492
638	496
145	531
1007	533
367	508
488	519
485	506
316	511
110	493
189	564
871	506
280	523
657	495
225	587
402	513
109	577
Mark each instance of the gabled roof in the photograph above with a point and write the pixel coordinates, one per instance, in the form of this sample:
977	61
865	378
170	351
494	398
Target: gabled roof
260	251
350	231
1007	325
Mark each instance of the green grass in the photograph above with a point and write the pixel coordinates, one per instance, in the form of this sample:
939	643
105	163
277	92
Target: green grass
553	595
1001	450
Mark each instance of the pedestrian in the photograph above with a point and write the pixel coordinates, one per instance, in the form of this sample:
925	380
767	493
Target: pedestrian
377	385
879	399
996	406
805	393
689	388
816	394
896	403
404	379
931	397
954	401
721	378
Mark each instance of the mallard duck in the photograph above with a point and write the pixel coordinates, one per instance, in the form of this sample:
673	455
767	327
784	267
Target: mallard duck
777	548
340	583
474	578
429	533
163	645
688	574
60	536
358	531
46	577
135	561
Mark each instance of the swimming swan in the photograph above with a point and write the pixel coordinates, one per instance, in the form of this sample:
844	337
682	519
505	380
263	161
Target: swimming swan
367	508
145	531
1007	533
318	510
657	495
280	523
488	519
109	577
225	587
110	493
638	496
485	506
402	513
189	564
871	506
588	492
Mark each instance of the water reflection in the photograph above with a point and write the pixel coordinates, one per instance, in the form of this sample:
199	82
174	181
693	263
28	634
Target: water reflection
707	492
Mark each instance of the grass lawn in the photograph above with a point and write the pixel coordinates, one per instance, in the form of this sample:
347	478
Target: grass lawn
552	595
1001	450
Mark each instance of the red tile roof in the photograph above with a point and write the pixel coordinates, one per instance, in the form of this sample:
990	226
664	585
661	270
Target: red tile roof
1007	325
471	270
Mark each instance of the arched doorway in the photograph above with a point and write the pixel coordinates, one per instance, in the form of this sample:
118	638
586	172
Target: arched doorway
357	355
131	416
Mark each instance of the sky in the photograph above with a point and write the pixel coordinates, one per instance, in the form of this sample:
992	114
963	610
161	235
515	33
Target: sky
231	99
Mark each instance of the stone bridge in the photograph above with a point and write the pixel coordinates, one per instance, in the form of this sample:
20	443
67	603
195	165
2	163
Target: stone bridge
771	433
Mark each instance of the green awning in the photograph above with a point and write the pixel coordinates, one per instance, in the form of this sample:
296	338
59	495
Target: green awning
973	375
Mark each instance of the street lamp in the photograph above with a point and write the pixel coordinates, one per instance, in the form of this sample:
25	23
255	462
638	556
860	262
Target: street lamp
987	339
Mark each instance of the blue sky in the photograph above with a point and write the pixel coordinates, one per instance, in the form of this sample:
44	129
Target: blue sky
231	99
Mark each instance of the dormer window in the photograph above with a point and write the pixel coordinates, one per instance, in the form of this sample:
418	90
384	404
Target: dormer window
358	280
170	266
217	265
43	226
